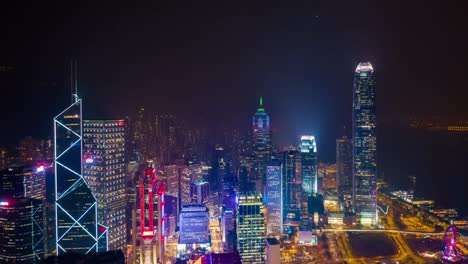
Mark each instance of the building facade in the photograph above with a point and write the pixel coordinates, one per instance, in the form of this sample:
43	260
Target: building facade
227	229
261	144
365	144
291	186
76	225
21	230
272	199
251	229
194	225
309	168
200	192
344	166
272	251
104	171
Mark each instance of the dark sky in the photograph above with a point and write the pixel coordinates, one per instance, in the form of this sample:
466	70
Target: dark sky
212	62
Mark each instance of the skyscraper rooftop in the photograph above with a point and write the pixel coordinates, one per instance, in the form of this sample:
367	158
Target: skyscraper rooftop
364	67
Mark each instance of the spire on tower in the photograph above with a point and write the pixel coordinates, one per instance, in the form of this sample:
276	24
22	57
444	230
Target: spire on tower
261	101
74	80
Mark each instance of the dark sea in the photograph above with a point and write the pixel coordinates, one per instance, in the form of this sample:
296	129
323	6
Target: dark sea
438	159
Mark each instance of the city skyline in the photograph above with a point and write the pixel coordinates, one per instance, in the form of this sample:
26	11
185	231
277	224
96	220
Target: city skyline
260	134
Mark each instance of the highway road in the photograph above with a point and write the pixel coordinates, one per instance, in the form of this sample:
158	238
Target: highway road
395	231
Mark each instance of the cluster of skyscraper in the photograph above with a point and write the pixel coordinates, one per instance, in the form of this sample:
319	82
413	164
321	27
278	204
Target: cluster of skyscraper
113	189
288	181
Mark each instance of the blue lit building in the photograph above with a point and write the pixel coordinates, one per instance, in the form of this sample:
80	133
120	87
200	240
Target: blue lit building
194	226
77	228
364	144
272	199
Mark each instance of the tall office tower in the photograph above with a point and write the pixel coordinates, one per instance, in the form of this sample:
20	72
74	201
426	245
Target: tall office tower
227	229
15	181
21	230
131	193
251	228
272	199
194	226
147	201
22	214
219	171
272	251
166	131
200	192
172	180
309	168
365	144
291	186
37	189
104	171
178	178
196	172
170	211
24	182
151	216
185	180
140	134
344	166
77	228
261	144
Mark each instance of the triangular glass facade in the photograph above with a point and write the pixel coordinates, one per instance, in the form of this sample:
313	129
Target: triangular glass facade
75	205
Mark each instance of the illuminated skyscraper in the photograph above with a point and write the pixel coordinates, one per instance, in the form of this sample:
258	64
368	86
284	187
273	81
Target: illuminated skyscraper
261	144
77	228
344	166
104	171
21	230
22	199
308	149
272	199
16	181
228	231
200	192
365	144
251	228
309	171
151	215
194	226
291	185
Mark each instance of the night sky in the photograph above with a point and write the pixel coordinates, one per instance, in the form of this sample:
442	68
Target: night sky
209	62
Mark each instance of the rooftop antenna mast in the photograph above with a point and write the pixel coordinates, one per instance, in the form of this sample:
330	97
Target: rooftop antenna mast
74	80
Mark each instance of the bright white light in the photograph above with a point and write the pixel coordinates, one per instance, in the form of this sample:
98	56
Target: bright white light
4	203
308	144
89	160
364	67
41	168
